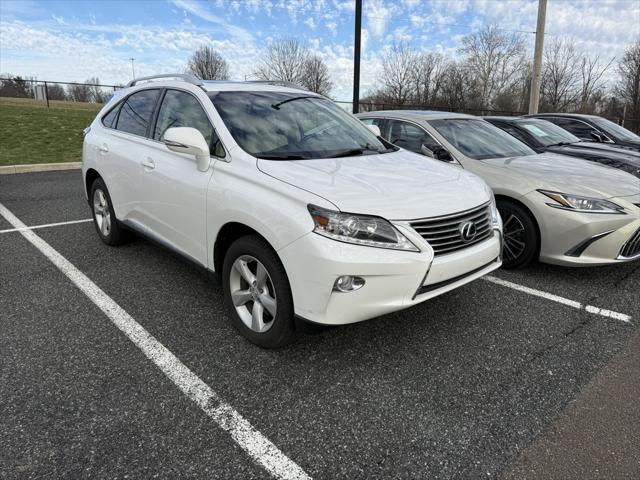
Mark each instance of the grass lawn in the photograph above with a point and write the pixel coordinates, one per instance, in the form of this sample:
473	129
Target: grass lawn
30	133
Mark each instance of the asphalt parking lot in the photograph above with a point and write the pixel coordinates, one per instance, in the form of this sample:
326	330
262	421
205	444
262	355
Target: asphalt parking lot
462	386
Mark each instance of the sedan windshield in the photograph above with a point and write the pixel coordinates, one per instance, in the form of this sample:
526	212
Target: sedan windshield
547	133
293	126
620	132
479	139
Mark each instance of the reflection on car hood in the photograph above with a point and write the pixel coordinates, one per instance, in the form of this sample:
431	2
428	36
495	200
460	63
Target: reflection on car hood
573	175
626	160
398	186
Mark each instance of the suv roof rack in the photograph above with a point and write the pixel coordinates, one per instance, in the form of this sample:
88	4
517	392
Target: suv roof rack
185	77
279	83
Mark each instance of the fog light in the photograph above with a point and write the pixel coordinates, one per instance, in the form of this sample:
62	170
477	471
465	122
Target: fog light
348	283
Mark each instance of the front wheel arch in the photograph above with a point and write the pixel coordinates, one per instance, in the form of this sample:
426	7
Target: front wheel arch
506	198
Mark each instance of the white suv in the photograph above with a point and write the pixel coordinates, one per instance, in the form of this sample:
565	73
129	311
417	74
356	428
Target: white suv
302	210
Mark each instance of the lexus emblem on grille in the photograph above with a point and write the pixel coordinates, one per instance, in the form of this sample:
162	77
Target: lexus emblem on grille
468	231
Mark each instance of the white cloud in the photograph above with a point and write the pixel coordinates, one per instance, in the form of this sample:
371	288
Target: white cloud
377	16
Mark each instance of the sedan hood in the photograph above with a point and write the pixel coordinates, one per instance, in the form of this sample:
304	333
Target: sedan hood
571	175
625	160
397	186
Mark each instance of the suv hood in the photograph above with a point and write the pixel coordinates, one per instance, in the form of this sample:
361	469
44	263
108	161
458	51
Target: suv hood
571	175
397	186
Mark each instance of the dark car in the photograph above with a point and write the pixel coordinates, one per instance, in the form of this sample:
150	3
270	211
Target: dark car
593	128
544	136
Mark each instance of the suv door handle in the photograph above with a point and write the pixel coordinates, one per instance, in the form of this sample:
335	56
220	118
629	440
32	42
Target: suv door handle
148	164
104	148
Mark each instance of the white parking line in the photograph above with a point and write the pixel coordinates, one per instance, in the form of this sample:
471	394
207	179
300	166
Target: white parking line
46	225
243	433
564	301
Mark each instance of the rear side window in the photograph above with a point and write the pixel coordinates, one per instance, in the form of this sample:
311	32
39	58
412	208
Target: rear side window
578	128
136	111
109	120
181	109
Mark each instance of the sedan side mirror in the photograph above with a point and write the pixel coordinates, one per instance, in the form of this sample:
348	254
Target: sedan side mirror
442	154
597	136
375	129
426	151
190	141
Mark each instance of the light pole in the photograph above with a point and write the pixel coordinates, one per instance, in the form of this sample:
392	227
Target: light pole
133	72
356	58
534	95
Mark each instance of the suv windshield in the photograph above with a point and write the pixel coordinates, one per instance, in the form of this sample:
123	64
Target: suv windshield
620	132
479	139
293	126
547	133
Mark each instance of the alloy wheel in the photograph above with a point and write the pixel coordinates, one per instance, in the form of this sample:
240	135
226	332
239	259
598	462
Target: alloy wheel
102	212
514	238
252	293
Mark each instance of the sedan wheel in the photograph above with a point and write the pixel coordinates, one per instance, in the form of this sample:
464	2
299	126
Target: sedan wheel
101	212
514	238
520	235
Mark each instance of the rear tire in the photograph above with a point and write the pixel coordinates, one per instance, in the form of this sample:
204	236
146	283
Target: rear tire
104	218
257	293
520	235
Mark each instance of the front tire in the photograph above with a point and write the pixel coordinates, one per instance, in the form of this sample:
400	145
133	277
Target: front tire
257	293
104	217
520	235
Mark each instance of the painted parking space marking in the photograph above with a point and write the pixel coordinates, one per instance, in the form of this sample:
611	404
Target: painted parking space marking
564	301
46	225
242	432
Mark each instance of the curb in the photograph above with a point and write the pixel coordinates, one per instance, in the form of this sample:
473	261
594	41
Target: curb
39	167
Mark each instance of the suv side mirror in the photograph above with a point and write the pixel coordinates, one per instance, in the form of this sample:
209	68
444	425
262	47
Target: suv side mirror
597	136
375	129
442	154
190	141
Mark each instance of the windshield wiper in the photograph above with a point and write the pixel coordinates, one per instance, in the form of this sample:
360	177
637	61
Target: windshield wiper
277	105
281	157
357	151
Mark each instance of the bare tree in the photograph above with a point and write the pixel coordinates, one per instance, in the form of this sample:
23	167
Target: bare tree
207	64
628	87
493	59
79	93
592	83
316	76
427	77
15	86
560	86
96	93
56	92
284	60
397	69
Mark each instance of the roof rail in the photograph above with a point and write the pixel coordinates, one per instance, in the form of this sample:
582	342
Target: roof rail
185	77
279	83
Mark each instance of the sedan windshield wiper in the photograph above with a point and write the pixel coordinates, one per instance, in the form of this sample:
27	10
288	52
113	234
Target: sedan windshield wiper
281	157
356	151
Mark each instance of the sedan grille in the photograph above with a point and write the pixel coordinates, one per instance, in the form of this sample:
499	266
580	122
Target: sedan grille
454	232
632	247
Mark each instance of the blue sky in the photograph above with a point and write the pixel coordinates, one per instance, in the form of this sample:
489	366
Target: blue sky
75	40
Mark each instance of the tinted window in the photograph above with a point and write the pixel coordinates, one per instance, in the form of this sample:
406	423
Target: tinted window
578	128
288	126
109	120
514	132
136	112
479	139
620	132
410	136
181	109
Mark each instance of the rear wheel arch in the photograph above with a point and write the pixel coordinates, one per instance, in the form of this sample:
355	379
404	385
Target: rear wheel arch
91	176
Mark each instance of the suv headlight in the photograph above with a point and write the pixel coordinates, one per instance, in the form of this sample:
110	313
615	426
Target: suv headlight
359	229
576	203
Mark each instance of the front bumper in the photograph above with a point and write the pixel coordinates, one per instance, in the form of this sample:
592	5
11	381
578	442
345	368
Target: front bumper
583	239
393	279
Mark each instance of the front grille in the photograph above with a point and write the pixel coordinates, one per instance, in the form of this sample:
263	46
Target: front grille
444	233
632	247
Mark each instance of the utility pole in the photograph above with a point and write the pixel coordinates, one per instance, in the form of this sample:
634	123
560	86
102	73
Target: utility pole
133	72
534	95
356	58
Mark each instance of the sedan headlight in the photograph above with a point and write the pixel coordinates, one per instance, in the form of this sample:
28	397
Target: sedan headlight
576	203
359	229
